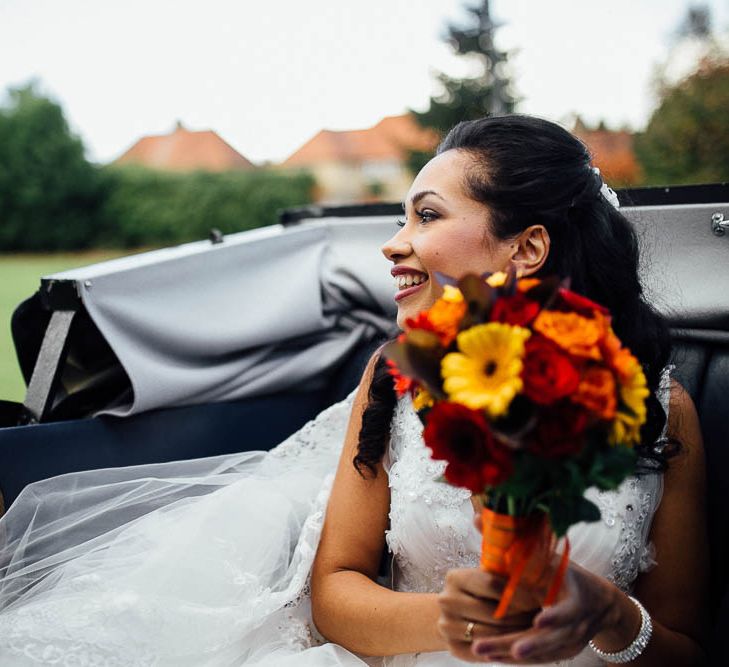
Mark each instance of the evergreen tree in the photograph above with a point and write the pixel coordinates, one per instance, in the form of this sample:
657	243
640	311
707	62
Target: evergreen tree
49	193
488	92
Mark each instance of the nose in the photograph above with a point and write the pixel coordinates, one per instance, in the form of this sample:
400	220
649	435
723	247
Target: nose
398	247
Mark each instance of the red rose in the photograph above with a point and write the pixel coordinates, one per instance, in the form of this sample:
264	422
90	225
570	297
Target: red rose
549	372
516	309
462	437
570	300
560	431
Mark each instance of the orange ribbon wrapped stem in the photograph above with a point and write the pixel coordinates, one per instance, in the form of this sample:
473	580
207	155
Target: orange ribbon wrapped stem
521	549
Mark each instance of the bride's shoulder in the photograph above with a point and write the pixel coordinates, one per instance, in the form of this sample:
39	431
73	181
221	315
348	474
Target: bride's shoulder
683	502
683	420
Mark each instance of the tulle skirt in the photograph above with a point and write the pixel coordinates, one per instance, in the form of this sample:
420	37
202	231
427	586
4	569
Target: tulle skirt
202	562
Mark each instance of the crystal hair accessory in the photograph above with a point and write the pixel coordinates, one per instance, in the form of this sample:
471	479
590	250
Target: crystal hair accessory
595	188
606	191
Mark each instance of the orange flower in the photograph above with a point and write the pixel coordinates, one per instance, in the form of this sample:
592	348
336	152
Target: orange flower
446	316
597	392
525	284
572	332
618	358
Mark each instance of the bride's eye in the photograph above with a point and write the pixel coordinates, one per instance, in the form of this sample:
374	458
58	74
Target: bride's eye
426	215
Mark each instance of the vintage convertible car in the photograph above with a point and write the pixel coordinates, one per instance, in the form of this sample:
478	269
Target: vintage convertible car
231	344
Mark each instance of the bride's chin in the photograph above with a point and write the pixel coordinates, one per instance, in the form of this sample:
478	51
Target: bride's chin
403	314
406	311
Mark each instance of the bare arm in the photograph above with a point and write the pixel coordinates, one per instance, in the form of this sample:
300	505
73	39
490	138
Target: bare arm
348	606
675	591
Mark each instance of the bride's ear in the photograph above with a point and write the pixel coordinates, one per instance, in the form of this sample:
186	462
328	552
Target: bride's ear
530	250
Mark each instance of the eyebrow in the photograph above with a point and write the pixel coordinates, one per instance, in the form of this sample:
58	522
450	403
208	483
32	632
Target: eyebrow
419	195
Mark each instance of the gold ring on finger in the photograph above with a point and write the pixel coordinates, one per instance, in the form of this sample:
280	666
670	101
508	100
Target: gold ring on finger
468	634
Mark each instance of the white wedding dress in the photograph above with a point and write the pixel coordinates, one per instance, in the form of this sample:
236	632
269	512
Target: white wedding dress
206	563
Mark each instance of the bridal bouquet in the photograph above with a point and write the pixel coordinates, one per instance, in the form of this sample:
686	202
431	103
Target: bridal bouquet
530	398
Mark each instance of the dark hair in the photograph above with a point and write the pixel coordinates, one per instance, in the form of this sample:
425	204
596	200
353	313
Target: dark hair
530	171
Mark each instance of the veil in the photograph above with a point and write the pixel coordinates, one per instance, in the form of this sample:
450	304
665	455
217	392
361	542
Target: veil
213	554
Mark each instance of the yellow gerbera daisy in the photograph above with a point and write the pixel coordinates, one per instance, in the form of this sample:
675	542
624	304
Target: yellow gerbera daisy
422	399
632	412
452	294
485	374
497	279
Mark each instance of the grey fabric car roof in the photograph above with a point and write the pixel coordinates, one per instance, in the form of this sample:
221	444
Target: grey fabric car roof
264	311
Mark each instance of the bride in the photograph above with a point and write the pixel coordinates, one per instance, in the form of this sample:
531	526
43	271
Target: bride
288	558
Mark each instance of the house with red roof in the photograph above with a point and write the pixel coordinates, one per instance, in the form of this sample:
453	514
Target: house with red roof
363	165
185	150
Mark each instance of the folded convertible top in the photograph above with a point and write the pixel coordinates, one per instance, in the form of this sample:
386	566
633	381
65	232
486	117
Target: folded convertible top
263	311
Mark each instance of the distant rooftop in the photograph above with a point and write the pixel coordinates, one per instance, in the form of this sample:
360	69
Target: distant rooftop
391	139
612	152
185	150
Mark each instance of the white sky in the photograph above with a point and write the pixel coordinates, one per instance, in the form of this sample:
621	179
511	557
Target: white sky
268	75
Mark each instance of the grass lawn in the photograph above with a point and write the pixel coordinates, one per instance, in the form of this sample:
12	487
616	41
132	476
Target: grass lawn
19	278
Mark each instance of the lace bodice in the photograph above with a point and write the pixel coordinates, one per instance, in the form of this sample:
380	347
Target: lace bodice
431	523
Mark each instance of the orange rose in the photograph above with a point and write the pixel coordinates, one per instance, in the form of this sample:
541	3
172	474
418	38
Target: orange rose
525	284
618	358
446	316
572	332
597	392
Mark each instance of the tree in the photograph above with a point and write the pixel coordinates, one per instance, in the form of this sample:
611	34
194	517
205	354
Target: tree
49	192
687	137
487	92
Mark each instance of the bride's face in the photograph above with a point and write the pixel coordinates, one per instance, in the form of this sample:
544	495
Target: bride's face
443	230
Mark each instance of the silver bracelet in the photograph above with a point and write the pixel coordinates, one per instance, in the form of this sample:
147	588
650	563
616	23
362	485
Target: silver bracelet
637	646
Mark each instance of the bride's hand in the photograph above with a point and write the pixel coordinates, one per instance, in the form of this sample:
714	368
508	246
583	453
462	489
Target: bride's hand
532	635
587	605
470	596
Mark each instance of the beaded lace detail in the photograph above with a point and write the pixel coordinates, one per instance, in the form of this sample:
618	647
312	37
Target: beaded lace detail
628	510
447	518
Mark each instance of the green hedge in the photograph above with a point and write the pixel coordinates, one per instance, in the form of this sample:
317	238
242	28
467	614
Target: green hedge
145	207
